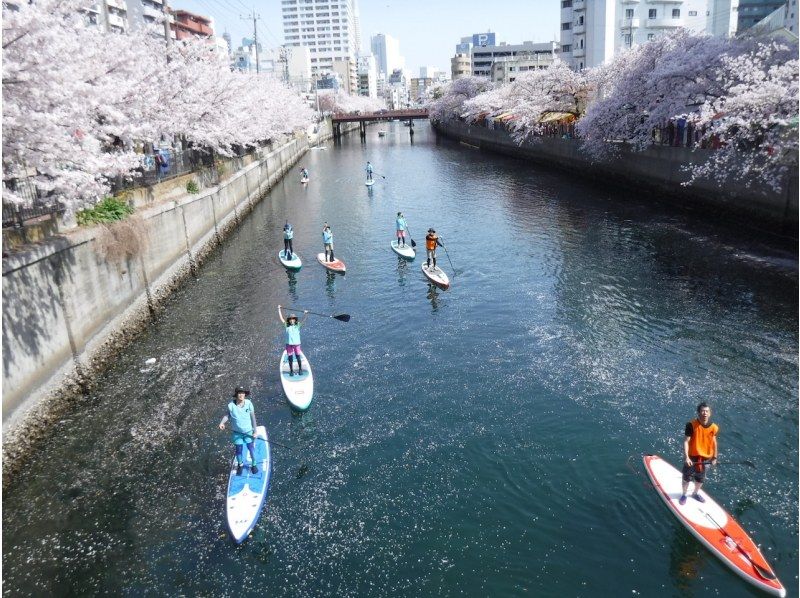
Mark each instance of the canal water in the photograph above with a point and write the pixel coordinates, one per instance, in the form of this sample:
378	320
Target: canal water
480	441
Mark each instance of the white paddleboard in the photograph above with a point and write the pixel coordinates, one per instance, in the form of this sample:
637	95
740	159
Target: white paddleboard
299	389
304	181
436	275
370	183
405	251
713	527
247	493
292	264
336	265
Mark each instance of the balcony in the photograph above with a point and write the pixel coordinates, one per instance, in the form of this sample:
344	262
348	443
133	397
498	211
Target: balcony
578	29
120	4
578	52
116	21
665	23
629	24
154	13
578	5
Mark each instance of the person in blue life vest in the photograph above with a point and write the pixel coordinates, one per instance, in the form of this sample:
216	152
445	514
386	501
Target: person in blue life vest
699	449
369	171
304	174
242	416
401	227
288	235
327	240
292	339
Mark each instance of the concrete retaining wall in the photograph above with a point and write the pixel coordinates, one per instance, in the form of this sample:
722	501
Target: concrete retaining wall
659	169
67	307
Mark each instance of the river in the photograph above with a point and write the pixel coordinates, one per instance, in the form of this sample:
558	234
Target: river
480	441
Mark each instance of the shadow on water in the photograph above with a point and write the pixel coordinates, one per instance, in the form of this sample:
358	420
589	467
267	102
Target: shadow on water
686	560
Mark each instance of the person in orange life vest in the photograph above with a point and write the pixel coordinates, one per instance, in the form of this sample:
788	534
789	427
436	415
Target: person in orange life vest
699	447
431	241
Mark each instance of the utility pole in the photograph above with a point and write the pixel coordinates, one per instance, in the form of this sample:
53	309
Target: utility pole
167	28
285	54
255	18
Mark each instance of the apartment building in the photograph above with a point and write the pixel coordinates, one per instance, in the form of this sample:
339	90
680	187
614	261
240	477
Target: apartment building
483	57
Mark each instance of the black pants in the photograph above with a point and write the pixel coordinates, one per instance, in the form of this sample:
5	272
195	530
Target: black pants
287	247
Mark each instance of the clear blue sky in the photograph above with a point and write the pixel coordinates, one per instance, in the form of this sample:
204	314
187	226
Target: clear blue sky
428	30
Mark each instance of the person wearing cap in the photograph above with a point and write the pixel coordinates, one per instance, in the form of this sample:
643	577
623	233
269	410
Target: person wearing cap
288	235
401	226
431	241
292	339
242	416
327	240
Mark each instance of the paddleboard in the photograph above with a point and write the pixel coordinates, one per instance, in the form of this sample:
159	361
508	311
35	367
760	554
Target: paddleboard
247	493
713	526
370	183
436	276
292	264
336	265
304	181
299	389
406	251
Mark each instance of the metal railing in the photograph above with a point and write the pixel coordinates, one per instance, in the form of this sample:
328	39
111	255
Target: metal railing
163	165
36	204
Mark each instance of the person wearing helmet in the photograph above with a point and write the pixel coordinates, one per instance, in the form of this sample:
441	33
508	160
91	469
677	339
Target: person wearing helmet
401	227
288	235
242	416
431	241
292	339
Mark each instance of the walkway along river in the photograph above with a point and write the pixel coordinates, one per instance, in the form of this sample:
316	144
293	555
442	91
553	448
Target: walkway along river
471	441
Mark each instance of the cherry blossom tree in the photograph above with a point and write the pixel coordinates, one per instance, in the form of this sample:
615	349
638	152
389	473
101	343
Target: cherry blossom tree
740	93
451	102
76	99
344	103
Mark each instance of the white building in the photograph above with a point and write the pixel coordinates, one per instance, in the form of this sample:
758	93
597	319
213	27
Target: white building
298	61
484	56
593	31
460	66
367	76
506	69
386	51
327	28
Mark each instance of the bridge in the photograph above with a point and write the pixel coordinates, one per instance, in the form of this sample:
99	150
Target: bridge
380	116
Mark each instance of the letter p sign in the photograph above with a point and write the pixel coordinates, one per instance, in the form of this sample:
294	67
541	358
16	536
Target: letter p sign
483	39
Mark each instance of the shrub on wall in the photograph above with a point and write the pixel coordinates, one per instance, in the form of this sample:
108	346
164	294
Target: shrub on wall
111	209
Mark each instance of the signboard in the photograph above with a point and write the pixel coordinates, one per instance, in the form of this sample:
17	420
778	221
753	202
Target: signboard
483	39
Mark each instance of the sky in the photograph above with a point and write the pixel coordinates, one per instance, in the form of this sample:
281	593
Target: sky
428	30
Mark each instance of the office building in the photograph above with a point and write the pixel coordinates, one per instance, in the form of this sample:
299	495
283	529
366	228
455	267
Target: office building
484	56
386	51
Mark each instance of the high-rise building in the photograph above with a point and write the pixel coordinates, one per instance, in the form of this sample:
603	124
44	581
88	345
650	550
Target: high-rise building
328	29
386	51
753	11
367	76
593	31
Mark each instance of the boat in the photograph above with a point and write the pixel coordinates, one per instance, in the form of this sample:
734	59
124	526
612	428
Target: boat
370	182
436	275
299	389
336	265
247	492
293	264
405	251
716	529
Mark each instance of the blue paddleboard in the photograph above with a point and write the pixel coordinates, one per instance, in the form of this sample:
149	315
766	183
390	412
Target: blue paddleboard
247	493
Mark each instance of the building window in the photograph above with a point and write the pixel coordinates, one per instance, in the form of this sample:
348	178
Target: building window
692	13
566	26
627	39
676	13
567	48
566	3
651	36
628	13
652	13
580	20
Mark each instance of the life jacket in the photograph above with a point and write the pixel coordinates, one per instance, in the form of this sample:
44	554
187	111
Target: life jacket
701	442
430	242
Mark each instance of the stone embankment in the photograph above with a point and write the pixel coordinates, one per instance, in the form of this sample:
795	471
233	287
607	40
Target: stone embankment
72	301
658	170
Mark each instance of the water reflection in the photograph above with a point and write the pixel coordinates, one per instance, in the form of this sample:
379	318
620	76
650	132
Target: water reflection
402	271
433	297
686	559
330	284
292	279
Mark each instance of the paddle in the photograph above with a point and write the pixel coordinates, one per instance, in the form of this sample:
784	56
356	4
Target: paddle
413	243
765	573
747	463
448	258
270	440
340	317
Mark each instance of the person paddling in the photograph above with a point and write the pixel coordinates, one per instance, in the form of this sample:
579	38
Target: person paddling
699	446
304	174
431	241
292	339
369	171
242	416
288	235
327	240
401	227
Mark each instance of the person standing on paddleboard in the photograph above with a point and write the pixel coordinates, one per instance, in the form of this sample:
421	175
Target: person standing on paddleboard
401	226
327	240
288	235
431	241
292	339
304	173
699	447
369	171
242	416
